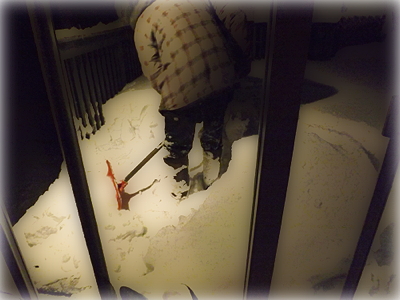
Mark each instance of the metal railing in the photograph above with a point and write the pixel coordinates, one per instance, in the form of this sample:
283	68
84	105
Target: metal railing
97	67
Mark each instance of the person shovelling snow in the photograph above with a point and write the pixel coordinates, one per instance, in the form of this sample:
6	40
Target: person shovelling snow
184	54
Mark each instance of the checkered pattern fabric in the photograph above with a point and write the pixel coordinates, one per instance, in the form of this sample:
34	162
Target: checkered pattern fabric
181	51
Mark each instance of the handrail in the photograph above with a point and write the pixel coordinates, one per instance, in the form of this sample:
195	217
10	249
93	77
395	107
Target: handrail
70	47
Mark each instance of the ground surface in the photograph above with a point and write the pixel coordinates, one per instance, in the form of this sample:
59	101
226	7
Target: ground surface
159	243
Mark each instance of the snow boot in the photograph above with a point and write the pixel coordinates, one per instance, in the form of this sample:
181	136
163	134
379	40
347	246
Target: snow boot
211	168
180	180
180	185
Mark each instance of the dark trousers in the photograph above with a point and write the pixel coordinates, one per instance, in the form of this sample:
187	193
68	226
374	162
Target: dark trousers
180	127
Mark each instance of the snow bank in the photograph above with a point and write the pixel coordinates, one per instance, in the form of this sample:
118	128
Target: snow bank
333	174
159	243
51	241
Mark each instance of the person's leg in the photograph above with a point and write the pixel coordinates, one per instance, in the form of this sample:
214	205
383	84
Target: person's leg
211	138
179	133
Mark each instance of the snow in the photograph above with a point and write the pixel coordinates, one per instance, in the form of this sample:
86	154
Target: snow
337	156
50	235
74	33
332	179
160	244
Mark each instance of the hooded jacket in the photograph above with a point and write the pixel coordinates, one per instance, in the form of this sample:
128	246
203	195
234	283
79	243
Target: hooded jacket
181	50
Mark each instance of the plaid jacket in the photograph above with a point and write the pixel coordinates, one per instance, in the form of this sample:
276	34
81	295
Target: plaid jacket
181	50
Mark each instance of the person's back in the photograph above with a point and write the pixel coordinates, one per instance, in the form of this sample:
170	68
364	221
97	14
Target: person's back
182	52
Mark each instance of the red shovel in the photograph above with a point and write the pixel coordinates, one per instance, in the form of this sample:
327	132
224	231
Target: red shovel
119	187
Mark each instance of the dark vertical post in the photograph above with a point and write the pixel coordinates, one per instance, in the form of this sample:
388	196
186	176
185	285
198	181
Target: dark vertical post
92	93
84	89
288	39
130	66
117	70
109	71
377	205
96	88
13	258
77	90
70	90
138	67
46	43
105	72
100	75
122	60
111	63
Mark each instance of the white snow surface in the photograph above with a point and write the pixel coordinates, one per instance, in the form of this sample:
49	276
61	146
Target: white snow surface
338	152
159	244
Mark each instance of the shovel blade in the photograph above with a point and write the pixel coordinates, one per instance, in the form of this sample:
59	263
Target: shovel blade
117	187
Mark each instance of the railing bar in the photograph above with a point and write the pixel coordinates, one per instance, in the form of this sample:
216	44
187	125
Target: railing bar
92	94
72	47
78	91
100	75
113	52
106	73
84	87
97	86
71	89
110	66
121	57
130	62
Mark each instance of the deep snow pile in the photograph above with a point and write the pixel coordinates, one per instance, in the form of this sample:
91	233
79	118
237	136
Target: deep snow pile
333	174
338	152
159	244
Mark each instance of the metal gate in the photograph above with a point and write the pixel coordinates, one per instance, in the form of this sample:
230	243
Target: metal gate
97	67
